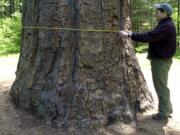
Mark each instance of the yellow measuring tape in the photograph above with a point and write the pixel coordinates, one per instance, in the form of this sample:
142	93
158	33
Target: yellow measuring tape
72	29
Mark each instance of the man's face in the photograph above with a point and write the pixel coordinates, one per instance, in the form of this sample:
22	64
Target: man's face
159	15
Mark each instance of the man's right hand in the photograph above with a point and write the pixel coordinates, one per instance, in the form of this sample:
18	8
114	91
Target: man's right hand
124	34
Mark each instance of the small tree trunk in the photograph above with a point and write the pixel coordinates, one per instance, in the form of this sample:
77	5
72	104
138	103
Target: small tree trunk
75	78
11	6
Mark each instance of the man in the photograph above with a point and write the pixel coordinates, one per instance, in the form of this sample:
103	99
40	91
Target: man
162	47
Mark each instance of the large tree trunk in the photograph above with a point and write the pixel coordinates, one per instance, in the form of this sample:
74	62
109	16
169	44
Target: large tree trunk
76	78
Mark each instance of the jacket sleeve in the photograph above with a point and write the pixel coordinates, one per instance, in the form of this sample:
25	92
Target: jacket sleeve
157	34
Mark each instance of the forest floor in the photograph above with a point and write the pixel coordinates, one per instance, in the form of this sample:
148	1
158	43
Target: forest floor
14	121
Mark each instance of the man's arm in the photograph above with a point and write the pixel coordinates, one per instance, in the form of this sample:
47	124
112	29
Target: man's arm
147	37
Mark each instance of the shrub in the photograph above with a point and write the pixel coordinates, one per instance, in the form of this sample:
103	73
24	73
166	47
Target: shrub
10	33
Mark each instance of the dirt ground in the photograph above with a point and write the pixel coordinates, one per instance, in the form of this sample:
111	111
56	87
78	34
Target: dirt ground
14	121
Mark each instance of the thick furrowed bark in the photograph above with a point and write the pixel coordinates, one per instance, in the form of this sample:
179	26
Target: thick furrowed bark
75	78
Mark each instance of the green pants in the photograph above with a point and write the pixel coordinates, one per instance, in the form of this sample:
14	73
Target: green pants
160	69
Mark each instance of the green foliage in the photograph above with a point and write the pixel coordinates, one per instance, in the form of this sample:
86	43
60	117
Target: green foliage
3	5
142	48
10	33
143	13
8	7
177	56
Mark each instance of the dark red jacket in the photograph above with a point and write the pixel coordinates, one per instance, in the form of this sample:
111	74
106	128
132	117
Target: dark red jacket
162	40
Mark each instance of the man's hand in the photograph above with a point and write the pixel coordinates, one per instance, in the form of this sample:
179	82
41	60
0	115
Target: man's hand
124	34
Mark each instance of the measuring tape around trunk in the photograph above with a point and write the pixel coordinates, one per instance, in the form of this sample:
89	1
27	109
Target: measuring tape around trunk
73	29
